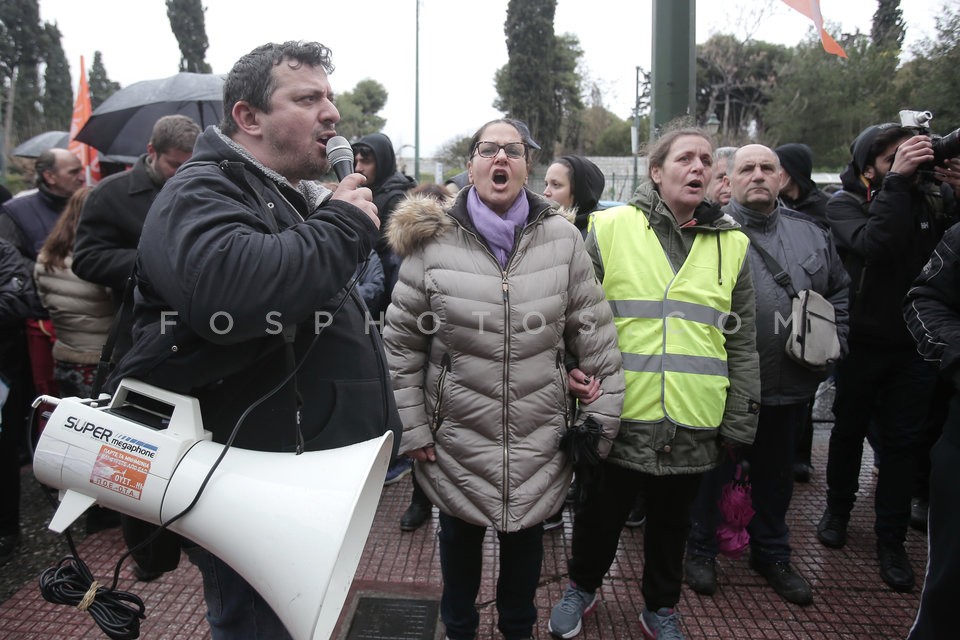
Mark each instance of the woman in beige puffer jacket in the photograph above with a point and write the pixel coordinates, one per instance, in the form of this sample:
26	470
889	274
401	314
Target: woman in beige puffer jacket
477	337
81	311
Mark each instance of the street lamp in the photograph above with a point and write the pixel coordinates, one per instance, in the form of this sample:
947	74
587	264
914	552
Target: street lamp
712	125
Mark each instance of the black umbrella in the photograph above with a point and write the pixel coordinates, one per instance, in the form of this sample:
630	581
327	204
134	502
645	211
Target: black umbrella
39	143
123	123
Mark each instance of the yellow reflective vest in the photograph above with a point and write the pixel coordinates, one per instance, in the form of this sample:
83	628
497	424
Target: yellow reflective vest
670	323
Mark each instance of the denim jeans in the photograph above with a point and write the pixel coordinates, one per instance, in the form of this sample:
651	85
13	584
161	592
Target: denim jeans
461	559
235	611
891	391
770	459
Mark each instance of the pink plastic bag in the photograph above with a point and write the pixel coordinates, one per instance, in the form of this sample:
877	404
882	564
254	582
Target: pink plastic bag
736	511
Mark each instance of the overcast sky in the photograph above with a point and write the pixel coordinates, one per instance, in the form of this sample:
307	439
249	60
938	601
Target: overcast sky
461	44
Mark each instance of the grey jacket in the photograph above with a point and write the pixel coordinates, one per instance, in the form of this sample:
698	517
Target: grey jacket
808	254
477	354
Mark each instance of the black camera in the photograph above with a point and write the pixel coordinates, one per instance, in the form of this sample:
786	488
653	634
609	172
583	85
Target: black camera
944	147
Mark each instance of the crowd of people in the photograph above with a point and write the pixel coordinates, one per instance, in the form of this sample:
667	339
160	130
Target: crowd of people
528	349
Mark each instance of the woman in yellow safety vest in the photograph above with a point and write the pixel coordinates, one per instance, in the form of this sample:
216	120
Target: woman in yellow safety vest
674	271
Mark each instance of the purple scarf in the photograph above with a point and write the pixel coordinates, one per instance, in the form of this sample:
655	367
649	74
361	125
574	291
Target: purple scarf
498	231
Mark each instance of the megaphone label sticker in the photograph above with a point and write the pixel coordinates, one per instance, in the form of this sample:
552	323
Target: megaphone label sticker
118	471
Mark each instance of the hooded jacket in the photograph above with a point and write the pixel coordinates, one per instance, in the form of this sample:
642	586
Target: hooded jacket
243	278
808	255
884	236
477	357
664	448
588	184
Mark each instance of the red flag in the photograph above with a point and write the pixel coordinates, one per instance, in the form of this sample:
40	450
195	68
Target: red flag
811	9
81	113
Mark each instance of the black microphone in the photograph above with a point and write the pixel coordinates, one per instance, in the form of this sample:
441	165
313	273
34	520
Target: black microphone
340	155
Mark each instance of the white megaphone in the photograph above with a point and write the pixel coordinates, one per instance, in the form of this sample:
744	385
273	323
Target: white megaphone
293	526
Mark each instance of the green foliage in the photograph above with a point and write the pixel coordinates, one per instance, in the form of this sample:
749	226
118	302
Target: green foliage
58	94
101	87
187	24
930	81
359	108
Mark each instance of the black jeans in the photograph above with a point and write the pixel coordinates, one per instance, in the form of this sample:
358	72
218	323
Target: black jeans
893	388
771	458
461	560
597	526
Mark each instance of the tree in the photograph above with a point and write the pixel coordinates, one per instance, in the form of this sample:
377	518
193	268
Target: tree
453	154
824	100
58	93
187	24
358	109
22	56
930	81
101	87
735	81
525	84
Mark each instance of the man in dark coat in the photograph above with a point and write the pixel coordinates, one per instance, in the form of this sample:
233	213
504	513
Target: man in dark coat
886	221
113	215
246	297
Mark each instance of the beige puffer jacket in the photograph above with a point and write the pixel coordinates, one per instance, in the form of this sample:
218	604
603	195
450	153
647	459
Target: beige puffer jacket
477	356
81	311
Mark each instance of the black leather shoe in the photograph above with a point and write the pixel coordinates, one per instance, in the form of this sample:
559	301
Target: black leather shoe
415	515
788	584
802	472
895	566
8	547
701	574
832	530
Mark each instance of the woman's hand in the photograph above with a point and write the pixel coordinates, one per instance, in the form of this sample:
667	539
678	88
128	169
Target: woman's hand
584	388
426	454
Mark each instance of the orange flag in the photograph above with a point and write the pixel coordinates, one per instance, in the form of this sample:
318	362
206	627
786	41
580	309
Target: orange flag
81	113
811	9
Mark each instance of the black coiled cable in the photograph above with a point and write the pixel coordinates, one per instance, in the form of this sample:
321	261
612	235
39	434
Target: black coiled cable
117	613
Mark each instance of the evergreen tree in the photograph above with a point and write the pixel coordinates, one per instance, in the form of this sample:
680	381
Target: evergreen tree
526	85
58	92
101	87
186	21
930	81
358	109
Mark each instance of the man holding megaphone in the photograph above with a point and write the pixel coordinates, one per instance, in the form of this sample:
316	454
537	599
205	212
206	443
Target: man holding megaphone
245	296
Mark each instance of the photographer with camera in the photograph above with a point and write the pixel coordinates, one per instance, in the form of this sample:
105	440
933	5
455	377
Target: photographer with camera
886	221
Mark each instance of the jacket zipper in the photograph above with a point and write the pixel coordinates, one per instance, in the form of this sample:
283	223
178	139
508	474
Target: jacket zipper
504	411
440	386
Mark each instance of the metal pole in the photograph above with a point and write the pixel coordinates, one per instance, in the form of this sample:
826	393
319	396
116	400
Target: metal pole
416	107
636	128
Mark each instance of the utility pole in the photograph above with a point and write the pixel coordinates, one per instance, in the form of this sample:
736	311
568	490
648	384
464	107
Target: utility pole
674	58
635	130
416	104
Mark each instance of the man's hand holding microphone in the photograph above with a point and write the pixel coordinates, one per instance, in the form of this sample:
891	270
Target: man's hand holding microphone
340	155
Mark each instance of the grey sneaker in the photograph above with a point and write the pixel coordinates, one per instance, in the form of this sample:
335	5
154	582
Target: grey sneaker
566	618
662	624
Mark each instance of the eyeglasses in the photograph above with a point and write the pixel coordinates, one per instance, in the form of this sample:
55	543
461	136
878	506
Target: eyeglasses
491	149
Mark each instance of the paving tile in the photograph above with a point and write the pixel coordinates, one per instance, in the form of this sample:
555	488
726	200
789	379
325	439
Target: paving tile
850	601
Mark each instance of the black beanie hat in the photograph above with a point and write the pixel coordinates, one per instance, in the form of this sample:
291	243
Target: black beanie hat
797	160
860	147
588	183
